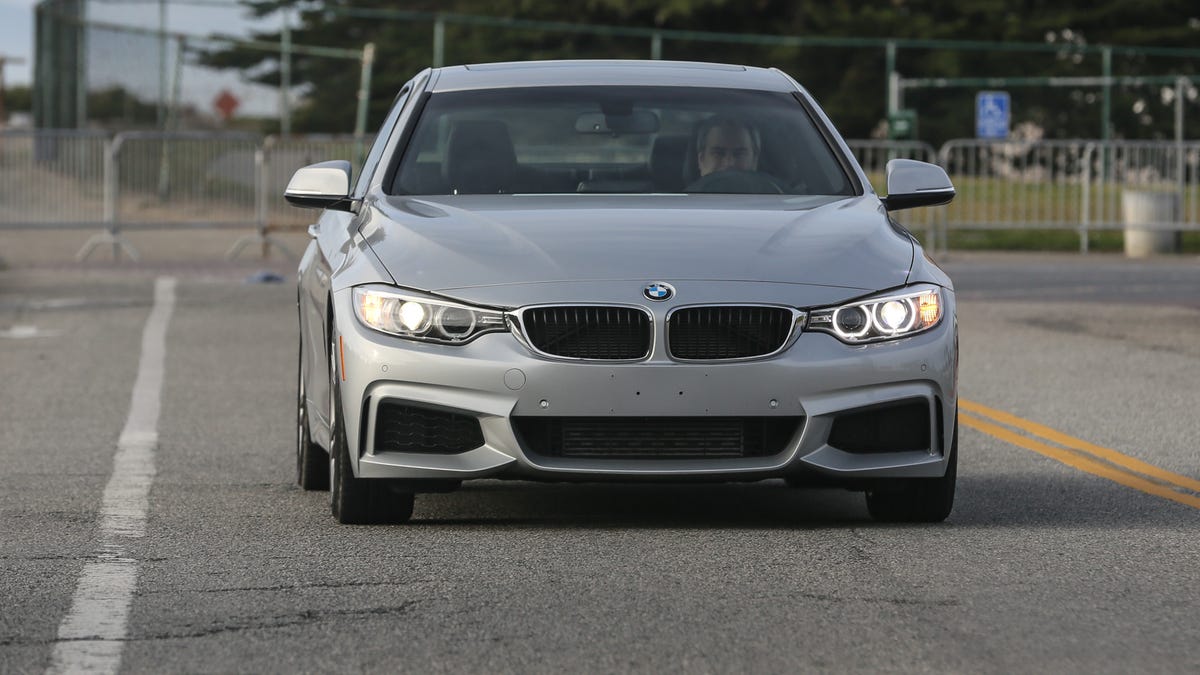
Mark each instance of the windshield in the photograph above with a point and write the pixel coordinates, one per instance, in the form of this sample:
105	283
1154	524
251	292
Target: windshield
554	140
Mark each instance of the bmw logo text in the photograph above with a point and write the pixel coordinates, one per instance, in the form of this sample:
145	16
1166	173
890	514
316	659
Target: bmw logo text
658	291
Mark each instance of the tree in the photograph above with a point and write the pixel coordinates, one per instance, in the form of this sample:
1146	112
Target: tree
18	98
849	80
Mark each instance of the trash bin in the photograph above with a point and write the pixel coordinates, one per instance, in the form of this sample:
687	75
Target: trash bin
1147	217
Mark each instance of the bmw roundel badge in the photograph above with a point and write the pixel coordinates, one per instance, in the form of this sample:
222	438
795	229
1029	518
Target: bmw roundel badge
658	291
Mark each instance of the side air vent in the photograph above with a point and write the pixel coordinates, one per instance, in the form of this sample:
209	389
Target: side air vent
400	427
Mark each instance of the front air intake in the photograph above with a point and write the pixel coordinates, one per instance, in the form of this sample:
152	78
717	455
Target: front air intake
636	438
891	427
400	427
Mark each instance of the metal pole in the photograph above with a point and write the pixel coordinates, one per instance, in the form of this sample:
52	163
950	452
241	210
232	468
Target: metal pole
162	63
364	99
285	75
893	80
439	42
1085	207
176	83
111	196
1107	113
39	70
261	181
41	76
62	75
1023	81
1180	82
656	47
81	68
1179	178
169	122
260	202
110	183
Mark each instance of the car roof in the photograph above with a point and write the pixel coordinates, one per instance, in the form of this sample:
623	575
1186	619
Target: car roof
596	73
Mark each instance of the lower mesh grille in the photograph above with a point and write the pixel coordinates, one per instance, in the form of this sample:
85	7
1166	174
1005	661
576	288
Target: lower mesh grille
656	437
406	428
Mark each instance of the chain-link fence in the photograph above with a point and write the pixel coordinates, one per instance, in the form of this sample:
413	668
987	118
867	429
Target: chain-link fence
93	70
176	180
863	91
96	74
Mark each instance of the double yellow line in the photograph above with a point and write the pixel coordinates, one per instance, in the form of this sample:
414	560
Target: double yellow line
1080	454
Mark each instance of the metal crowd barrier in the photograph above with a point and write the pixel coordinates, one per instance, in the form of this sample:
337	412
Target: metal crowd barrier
282	157
1079	185
873	156
1156	184
154	180
68	179
157	180
51	179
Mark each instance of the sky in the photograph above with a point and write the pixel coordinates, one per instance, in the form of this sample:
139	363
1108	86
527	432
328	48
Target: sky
16	39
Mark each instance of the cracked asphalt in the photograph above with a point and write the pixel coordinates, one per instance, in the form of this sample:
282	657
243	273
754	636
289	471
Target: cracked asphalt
1041	567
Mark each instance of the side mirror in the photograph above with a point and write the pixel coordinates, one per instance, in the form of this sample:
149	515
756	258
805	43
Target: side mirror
321	186
911	183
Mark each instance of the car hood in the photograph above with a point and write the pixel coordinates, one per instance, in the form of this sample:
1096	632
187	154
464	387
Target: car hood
462	246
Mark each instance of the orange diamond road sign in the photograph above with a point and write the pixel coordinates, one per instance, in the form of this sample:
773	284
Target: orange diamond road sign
226	103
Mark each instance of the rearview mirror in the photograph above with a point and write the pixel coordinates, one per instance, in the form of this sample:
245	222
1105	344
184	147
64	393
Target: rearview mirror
321	186
911	183
636	122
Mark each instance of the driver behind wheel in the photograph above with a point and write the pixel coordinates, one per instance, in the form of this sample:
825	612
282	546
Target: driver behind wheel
724	143
727	152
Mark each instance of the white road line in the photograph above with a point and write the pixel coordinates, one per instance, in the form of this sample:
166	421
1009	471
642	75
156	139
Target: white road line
92	634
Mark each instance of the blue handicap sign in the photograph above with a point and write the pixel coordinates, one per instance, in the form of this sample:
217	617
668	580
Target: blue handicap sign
993	111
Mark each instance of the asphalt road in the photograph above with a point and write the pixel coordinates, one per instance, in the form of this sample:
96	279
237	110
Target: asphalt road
1047	564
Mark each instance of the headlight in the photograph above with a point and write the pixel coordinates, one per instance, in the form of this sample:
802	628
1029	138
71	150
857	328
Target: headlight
413	316
885	318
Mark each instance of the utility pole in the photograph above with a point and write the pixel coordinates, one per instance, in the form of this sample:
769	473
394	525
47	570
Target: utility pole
892	79
285	74
162	65
439	41
364	100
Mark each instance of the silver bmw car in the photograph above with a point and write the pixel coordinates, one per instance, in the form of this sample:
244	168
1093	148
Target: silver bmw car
620	271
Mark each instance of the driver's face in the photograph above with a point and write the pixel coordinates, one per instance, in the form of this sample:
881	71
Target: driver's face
727	148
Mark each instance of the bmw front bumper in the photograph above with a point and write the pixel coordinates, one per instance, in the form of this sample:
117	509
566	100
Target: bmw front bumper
834	391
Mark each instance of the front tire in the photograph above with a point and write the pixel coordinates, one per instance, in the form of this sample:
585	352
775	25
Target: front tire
357	501
364	501
917	500
312	463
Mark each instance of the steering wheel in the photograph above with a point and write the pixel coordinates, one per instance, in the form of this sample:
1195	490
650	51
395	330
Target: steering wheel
738	181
